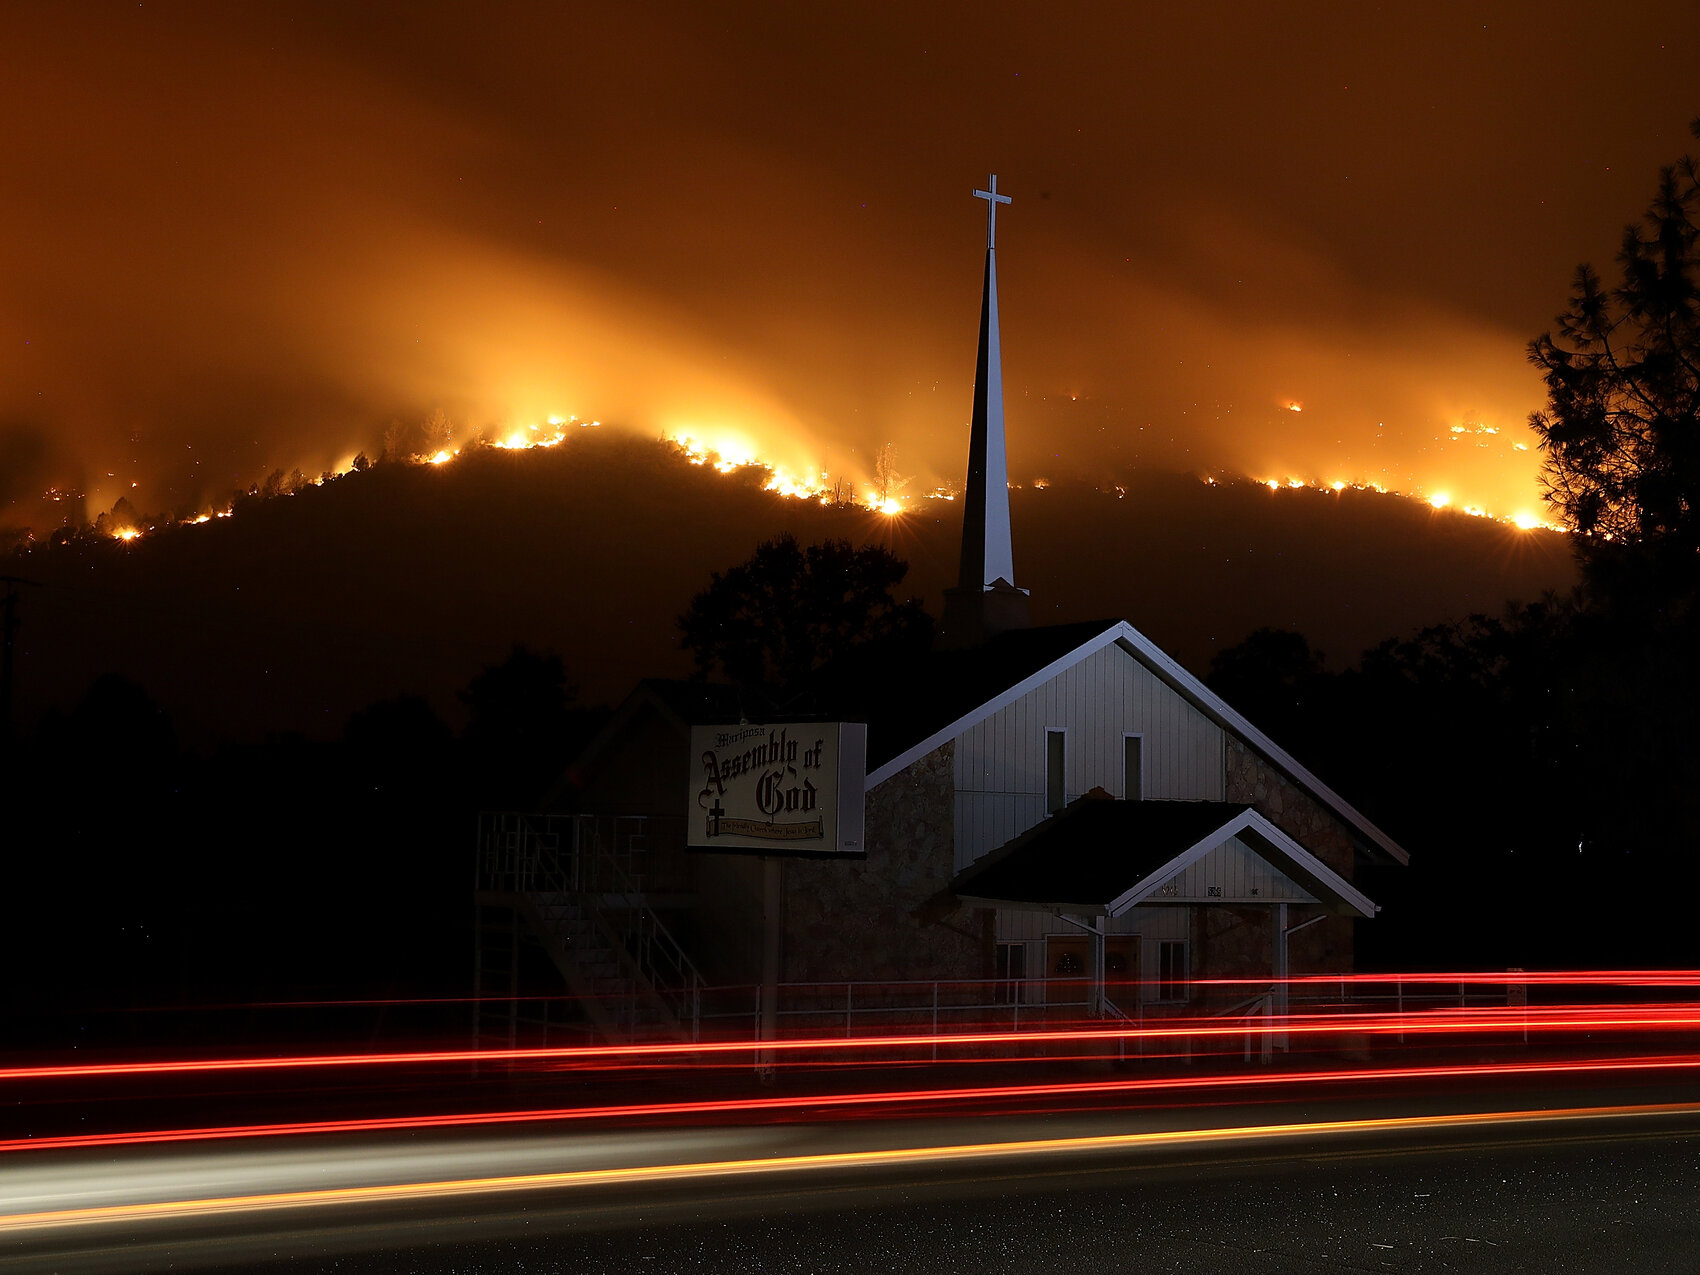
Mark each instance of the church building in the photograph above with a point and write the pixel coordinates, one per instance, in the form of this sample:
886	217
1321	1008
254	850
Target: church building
1061	813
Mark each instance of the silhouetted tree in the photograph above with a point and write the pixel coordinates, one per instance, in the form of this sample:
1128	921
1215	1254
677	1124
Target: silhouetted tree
1621	429
789	609
399	744
1621	432
526	725
1268	677
118	720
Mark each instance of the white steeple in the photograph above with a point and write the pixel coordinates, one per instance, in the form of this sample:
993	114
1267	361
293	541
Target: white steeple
985	600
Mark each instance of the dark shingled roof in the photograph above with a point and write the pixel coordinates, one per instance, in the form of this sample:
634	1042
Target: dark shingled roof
1093	851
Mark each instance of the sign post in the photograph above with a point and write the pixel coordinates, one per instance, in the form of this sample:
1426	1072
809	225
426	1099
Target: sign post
784	790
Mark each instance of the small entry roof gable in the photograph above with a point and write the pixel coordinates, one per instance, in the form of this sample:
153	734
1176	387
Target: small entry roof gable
1098	857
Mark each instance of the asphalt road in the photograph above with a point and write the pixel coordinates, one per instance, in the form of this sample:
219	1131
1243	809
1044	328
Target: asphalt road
1423	1186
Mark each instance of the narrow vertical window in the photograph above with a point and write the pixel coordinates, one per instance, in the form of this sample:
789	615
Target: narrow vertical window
1055	755
1133	768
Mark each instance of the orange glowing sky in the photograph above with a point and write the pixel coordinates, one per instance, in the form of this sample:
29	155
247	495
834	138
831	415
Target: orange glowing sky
248	238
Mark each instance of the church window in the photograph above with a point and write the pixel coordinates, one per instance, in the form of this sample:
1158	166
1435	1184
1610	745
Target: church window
1055	755
1133	767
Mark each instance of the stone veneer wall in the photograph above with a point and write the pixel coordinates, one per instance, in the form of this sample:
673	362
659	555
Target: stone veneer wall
1325	948
856	919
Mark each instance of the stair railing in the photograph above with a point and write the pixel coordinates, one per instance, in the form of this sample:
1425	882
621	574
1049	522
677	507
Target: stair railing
660	958
564	854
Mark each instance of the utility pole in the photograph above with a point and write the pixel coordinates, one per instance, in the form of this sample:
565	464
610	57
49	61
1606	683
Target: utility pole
8	637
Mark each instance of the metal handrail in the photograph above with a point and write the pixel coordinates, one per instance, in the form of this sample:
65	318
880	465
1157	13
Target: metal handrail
648	941
523	854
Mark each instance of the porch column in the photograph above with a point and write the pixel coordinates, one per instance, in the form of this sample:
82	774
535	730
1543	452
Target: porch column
1095	1007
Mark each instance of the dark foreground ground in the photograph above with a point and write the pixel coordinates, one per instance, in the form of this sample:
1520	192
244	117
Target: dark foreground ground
1548	1207
1573	1192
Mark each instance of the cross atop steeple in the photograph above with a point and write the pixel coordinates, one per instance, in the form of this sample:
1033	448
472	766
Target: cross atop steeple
993	199
985	600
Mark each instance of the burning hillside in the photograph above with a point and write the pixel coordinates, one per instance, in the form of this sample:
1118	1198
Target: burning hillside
409	577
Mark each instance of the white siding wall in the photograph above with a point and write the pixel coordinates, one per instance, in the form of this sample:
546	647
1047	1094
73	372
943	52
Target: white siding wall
1000	763
1238	874
1016	926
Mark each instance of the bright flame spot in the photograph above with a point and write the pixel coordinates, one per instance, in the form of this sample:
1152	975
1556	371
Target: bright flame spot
1440	500
1273	484
1295	482
203	518
1338	486
889	507
442	458
128	533
1295	407
806	488
1526	521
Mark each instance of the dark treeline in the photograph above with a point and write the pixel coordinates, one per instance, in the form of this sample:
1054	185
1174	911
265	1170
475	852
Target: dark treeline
1541	766
141	875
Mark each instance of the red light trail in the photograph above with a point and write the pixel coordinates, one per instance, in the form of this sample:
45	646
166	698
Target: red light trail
771	1103
1533	1019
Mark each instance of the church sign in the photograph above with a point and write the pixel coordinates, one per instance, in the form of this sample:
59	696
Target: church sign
792	788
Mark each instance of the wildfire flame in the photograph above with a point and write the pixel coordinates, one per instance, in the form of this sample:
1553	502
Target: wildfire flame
1523	520
727	452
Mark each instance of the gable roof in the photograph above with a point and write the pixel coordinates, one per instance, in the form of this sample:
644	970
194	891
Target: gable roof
914	699
960	689
913	704
1097	856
